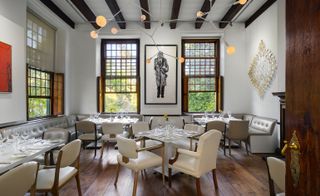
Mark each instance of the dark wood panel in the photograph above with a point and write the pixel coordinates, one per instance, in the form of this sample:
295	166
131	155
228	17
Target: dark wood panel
145	5
205	8
175	13
260	11
303	93
237	175
115	10
55	9
86	12
231	13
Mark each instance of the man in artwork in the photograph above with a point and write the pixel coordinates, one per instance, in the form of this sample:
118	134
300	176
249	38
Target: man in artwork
161	68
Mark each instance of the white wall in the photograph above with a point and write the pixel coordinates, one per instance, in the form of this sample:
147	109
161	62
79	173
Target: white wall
269	27
12	31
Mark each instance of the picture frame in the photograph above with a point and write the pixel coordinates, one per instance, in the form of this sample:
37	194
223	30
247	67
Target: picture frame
5	68
161	73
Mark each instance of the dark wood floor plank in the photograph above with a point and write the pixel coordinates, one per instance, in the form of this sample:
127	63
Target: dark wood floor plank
238	174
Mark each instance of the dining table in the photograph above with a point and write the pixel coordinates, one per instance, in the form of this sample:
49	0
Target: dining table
204	120
170	137
124	120
14	152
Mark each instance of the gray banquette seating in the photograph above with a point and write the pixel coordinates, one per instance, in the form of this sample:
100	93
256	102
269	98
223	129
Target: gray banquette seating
36	128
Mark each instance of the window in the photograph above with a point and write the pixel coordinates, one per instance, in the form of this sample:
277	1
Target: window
120	76
200	75
44	87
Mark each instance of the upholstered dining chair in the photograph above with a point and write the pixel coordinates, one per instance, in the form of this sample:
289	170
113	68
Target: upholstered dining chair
191	142
201	161
137	159
54	133
220	126
110	132
277	175
140	127
88	133
19	180
238	131
52	178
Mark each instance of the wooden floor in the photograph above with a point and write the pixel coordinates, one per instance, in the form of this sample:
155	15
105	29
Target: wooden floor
238	174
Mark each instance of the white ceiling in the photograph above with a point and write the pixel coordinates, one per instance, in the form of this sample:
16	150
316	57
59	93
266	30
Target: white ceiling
159	9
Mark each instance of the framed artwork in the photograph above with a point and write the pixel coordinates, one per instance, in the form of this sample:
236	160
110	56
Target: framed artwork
5	68
160	77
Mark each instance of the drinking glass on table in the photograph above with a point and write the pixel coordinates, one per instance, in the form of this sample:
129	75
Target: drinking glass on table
229	114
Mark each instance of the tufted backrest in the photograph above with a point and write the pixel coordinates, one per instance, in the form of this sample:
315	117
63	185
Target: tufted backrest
85	126
140	126
277	172
112	128
208	150
248	117
70	153
19	180
54	133
127	147
263	125
216	124
193	127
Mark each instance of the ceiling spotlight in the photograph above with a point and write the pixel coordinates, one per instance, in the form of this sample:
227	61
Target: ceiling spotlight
143	17
200	14
101	21
94	34
231	50
148	60
181	59
114	30
242	2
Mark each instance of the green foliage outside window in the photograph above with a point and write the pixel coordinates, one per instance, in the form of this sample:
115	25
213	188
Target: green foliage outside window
39	107
202	102
121	102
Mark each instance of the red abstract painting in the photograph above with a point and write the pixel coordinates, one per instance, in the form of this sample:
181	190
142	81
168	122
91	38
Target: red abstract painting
5	68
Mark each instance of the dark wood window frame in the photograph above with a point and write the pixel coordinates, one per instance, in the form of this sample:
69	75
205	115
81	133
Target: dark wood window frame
218	79
101	84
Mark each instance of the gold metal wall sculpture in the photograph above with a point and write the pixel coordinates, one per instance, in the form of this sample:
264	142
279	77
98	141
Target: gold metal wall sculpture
262	69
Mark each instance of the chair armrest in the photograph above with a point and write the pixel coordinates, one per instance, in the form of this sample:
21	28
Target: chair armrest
150	148
188	153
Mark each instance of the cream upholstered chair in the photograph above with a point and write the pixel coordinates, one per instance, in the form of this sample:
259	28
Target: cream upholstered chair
220	126
19	180
110	133
239	131
277	174
54	133
137	159
140	127
51	179
200	162
88	132
177	122
190	143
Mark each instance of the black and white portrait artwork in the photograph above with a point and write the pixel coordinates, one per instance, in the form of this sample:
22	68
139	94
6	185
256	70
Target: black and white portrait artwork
160	74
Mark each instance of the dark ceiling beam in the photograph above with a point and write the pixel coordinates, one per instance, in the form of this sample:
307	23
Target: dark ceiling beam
205	8
145	5
175	13
55	9
260	11
231	13
114	8
86	12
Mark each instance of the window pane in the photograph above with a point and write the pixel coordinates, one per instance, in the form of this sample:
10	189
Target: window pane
202	102
121	102
39	107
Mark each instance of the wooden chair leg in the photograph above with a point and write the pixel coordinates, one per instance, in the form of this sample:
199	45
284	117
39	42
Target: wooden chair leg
78	184
229	146
198	187
135	183
117	175
102	149
162	153
246	142
95	148
214	176
169	176
224	144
